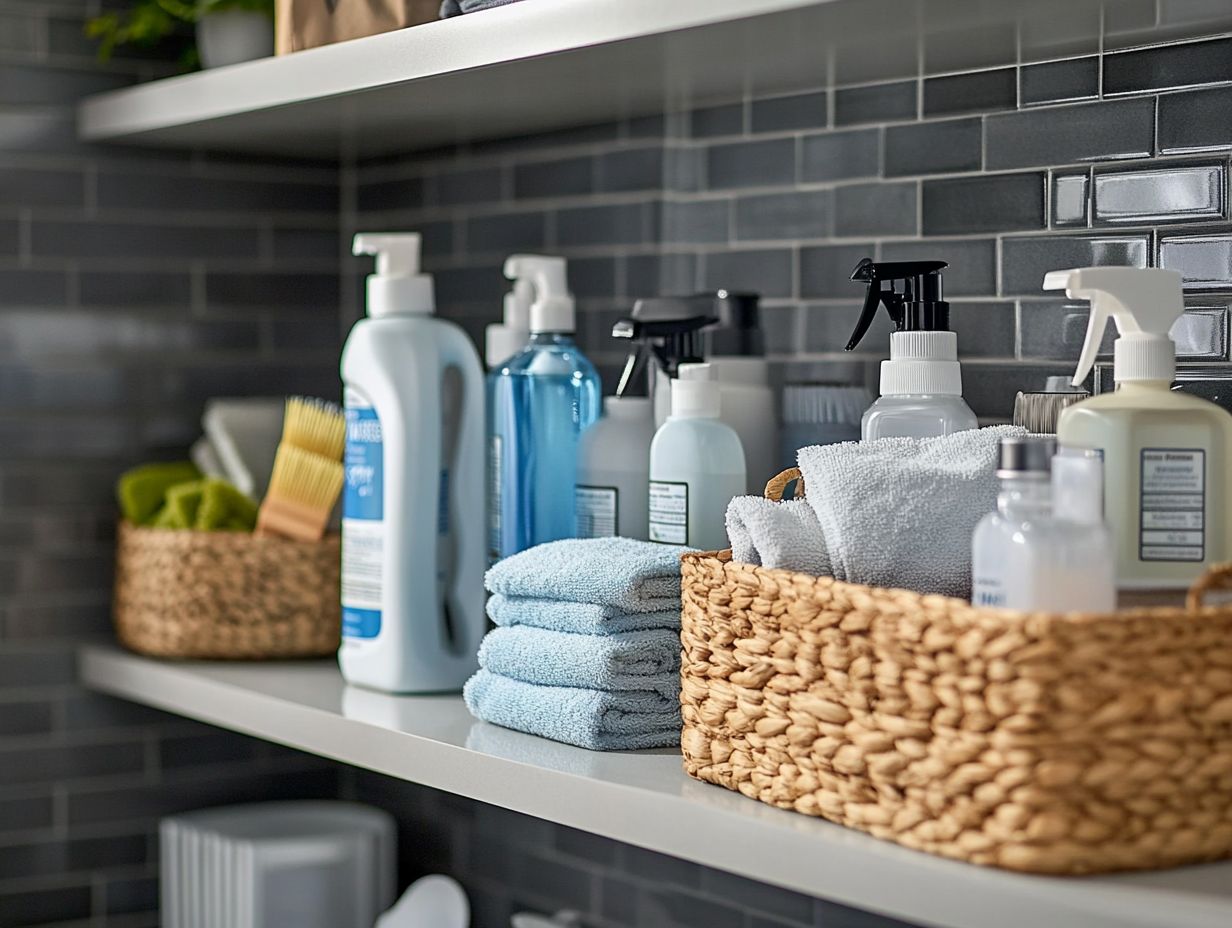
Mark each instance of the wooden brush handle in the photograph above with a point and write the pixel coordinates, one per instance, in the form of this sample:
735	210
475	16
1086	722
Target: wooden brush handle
287	519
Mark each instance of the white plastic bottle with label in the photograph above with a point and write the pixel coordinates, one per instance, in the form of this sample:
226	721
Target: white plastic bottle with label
750	407
696	467
613	467
1166	454
413	551
1045	548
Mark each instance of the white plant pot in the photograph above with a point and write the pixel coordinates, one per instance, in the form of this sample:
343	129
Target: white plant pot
232	36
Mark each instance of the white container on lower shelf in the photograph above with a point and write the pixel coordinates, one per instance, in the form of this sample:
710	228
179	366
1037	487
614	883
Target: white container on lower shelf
277	865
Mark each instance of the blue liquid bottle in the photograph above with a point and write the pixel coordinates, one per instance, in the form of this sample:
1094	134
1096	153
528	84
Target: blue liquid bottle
539	402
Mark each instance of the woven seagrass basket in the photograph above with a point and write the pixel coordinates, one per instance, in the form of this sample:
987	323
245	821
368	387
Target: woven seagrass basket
1046	743
225	595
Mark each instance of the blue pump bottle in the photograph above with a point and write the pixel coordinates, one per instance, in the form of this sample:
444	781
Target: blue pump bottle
539	402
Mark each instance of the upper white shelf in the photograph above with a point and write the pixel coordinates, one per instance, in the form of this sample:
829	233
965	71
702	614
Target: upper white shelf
508	71
644	798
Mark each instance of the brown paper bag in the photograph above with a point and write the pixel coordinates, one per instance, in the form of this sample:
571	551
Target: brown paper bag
309	23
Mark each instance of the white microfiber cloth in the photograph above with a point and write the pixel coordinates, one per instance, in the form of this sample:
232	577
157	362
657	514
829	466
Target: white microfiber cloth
899	512
645	660
773	534
625	574
579	618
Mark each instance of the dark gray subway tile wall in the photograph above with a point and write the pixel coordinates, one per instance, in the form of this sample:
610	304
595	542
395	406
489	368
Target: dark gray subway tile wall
132	284
135	284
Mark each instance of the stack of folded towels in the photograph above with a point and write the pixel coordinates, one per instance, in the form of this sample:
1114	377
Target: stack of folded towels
587	644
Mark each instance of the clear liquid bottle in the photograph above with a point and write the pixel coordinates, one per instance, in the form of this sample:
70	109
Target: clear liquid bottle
539	401
1045	548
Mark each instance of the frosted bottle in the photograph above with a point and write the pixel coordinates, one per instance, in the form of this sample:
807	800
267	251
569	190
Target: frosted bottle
1041	550
539	401
751	408
613	467
412	527
921	383
1166	454
696	467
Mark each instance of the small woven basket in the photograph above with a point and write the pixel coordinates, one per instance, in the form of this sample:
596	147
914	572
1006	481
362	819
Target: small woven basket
1047	743
225	595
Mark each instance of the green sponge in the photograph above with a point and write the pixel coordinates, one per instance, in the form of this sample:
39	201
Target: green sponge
225	509
183	503
141	491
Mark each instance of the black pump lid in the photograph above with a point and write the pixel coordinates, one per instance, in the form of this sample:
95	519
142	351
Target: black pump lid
918	306
735	326
688	329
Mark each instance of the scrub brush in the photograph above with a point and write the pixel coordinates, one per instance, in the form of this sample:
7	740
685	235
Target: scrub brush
302	492
315	426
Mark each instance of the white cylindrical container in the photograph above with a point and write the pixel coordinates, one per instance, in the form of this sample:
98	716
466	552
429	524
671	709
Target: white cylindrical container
696	467
613	467
413	522
748	405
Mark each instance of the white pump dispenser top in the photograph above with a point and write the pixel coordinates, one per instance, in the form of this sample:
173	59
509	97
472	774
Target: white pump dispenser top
553	306
397	286
502	340
1145	302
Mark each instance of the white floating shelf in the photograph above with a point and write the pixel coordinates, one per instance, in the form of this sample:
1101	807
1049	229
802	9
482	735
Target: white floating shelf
643	798
512	70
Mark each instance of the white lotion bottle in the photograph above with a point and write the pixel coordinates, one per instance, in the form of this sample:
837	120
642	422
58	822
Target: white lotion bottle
1166	454
413	552
613	468
750	407
696	467
1025	555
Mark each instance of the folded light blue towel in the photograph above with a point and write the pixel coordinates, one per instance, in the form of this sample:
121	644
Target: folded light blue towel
601	720
645	660
579	618
628	575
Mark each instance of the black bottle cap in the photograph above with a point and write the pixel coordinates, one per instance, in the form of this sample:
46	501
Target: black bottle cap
911	291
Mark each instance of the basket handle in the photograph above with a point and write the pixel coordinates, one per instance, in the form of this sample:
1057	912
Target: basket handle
1217	577
778	485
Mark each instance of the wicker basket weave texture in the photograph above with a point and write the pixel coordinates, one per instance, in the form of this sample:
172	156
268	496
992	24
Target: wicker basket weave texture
1045	743
214	595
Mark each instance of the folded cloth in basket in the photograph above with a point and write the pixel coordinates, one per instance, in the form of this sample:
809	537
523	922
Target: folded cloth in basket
451	8
777	535
899	512
624	574
645	660
579	618
601	720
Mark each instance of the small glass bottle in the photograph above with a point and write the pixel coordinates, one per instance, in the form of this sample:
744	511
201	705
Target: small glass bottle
1045	548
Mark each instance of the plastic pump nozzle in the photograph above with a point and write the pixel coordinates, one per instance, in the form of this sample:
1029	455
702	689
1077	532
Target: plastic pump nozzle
397	286
1145	302
920	306
504	339
553	307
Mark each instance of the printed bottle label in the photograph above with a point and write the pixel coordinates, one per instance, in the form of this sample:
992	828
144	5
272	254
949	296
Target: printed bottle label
988	590
669	512
363	520
596	511
1172	505
494	499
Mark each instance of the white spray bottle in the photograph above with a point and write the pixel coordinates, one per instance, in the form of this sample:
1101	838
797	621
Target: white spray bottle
413	526
1166	454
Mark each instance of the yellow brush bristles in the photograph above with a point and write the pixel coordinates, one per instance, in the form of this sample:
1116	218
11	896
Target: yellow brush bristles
316	426
302	492
306	478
